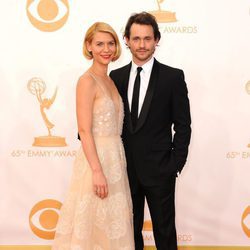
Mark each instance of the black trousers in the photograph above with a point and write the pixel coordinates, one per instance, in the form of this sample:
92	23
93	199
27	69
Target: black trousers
161	203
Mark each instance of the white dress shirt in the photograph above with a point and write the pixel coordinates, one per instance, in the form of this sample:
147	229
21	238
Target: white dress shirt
145	76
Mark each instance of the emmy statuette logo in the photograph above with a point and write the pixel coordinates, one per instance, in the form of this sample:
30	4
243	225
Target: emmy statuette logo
163	16
47	15
37	87
247	87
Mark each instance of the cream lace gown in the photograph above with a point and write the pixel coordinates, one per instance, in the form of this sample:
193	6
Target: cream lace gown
87	222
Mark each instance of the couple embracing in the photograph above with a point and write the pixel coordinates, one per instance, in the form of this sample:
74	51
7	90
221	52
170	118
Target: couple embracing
128	152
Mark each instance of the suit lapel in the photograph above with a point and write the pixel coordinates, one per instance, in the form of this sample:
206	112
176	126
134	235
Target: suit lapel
125	97
148	97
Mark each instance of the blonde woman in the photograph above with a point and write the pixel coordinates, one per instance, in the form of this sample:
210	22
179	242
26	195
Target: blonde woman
97	212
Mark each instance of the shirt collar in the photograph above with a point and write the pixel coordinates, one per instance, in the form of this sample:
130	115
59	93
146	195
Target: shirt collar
147	67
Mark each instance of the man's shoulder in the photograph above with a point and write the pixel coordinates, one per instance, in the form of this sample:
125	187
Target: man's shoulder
121	69
167	68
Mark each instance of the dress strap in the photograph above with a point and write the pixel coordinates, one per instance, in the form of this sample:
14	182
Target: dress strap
98	83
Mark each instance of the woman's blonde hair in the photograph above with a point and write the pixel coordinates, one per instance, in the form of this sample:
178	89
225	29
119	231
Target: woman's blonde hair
100	27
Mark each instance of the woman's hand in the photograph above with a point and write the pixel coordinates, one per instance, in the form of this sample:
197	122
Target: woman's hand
100	184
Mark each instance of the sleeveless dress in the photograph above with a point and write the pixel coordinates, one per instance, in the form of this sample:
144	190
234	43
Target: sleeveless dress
87	222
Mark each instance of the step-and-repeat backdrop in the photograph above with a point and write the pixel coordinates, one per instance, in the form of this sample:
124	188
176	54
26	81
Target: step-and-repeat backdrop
40	62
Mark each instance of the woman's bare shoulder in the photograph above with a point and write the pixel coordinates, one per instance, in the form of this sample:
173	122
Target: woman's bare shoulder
85	81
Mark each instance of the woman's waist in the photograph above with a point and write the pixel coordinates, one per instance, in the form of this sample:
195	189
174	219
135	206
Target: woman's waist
103	137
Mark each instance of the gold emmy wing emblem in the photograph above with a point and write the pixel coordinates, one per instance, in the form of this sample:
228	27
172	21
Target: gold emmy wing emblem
47	15
43	218
248	91
163	16
37	86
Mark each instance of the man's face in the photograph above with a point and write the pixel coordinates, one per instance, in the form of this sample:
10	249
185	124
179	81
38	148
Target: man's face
141	43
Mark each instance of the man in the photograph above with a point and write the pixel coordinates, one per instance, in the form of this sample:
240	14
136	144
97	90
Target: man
155	100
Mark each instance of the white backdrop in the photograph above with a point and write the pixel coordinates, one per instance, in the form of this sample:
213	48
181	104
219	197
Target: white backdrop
209	40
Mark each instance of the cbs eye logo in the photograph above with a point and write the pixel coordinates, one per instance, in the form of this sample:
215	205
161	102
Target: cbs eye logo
245	221
43	218
147	225
47	15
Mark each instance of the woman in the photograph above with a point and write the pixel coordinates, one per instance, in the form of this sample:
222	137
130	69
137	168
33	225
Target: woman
97	212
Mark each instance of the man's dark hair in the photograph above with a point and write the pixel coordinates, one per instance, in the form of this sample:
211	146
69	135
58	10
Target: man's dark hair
143	18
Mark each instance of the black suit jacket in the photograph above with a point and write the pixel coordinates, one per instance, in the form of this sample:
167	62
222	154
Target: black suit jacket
153	151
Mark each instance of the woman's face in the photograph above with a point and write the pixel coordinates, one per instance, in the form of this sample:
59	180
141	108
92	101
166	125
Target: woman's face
103	47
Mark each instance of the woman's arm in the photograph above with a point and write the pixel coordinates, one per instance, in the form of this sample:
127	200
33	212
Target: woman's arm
85	95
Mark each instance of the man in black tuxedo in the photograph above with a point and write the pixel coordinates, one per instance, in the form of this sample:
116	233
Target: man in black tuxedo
155	101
